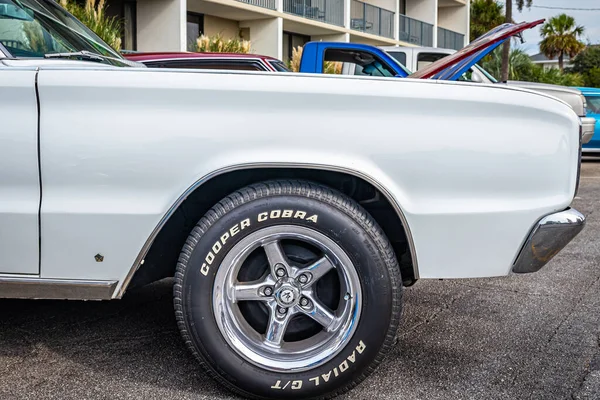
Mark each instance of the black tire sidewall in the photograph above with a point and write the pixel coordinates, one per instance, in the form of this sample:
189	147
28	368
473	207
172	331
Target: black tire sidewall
377	299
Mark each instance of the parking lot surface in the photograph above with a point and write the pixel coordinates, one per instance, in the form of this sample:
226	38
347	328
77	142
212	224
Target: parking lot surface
532	336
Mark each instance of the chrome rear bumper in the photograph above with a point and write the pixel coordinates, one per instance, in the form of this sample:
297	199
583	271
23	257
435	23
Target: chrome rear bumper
547	238
588	125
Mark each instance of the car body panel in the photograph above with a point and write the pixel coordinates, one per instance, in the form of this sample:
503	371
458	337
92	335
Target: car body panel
19	174
415	58
593	109
107	185
314	54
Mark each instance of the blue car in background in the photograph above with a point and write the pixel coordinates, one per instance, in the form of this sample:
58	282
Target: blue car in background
592	98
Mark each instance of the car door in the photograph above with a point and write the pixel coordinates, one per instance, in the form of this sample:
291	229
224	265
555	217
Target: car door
19	172
593	110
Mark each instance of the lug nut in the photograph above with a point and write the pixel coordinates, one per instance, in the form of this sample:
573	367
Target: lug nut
282	310
303	278
280	271
268	291
304	302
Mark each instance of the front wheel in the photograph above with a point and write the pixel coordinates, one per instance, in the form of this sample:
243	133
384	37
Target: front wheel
288	289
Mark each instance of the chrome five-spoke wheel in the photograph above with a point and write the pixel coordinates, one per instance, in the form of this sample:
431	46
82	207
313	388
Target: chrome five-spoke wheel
288	290
287	293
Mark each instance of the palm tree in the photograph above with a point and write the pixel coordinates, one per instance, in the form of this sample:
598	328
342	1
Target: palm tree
560	36
506	47
485	15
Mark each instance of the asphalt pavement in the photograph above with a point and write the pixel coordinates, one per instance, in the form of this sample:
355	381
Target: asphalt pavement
533	336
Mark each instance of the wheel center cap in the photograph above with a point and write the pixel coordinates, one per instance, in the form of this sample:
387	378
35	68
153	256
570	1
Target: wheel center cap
287	296
287	293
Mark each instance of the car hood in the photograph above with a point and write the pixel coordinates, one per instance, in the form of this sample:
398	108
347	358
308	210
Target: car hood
453	66
572	96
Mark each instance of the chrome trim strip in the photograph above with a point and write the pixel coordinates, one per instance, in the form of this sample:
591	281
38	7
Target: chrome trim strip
57	289
140	258
548	237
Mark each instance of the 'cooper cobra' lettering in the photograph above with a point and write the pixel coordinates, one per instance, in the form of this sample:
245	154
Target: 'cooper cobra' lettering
218	245
237	228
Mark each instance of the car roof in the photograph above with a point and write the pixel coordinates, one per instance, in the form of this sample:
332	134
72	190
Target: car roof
155	56
588	90
419	49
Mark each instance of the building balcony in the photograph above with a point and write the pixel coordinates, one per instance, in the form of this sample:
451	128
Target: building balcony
448	39
270	4
327	11
370	19
414	31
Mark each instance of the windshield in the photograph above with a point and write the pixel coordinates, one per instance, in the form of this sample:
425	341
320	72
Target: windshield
487	74
35	28
278	65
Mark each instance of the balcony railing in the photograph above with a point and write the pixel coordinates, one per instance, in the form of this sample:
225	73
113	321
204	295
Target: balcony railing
415	31
270	4
448	39
328	11
370	19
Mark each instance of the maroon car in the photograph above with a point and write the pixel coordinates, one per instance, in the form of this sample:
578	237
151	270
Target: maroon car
228	61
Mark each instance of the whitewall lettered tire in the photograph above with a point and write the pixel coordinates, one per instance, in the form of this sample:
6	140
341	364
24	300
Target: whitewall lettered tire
288	289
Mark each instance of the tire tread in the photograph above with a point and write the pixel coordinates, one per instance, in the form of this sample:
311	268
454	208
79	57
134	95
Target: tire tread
305	189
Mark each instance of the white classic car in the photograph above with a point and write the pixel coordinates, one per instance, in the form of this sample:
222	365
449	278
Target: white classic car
289	243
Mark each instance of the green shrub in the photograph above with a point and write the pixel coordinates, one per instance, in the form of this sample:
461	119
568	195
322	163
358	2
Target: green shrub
522	69
216	44
592	77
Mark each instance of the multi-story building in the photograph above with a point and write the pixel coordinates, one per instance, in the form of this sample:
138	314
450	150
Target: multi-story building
276	26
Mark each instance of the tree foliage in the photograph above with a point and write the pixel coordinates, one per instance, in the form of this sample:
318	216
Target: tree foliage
587	63
522	69
506	46
93	15
561	36
485	15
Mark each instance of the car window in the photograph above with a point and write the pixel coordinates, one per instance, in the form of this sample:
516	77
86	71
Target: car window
365	63
424	59
400	56
224	64
278	65
593	104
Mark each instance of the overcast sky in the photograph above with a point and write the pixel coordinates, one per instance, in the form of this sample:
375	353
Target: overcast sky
589	19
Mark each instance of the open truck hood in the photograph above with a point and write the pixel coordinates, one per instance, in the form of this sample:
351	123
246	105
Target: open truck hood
453	66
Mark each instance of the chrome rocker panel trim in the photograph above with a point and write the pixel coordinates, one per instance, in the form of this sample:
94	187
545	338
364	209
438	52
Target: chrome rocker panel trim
549	236
55	289
146	248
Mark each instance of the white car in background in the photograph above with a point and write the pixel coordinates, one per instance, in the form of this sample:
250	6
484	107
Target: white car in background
415	58
290	243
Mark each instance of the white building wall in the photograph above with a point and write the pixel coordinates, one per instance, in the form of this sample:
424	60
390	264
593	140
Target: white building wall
426	11
227	28
340	37
423	10
266	36
161	25
454	18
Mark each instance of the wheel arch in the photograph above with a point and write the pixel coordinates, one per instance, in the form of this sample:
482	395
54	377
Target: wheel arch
178	221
